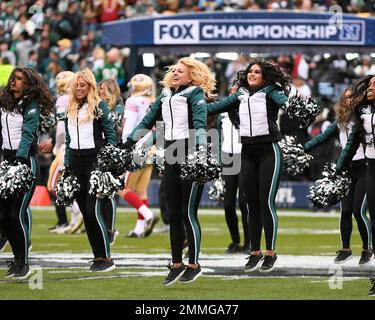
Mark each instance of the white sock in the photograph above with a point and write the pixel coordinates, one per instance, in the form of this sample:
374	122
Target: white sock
145	212
140	226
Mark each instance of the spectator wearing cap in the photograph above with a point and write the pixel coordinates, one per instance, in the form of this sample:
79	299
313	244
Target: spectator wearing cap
53	56
23	47
65	49
23	24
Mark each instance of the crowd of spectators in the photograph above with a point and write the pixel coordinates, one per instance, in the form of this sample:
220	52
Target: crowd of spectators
57	35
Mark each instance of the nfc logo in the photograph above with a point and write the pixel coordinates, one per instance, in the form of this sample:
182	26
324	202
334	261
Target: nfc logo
176	31
351	32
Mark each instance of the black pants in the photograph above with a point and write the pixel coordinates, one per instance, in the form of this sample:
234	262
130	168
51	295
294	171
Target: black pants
230	202
15	217
162	203
259	179
182	199
91	207
109	208
356	204
370	189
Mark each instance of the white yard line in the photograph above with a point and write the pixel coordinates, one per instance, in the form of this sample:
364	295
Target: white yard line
220	211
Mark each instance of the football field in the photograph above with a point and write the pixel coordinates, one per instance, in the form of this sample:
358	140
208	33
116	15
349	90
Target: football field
306	246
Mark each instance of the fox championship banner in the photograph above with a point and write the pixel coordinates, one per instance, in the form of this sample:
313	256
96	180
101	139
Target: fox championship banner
258	28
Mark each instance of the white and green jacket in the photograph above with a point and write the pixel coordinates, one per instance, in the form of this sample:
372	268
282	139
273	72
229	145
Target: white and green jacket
86	138
255	113
181	110
19	130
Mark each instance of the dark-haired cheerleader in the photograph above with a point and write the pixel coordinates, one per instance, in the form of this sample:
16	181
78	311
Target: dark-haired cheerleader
355	203
22	101
262	89
362	102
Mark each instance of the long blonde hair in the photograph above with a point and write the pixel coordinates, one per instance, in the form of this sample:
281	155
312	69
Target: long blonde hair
199	74
92	98
343	108
63	80
111	92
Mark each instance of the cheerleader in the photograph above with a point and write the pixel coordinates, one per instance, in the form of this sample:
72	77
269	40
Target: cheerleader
362	101
263	88
22	101
142	93
355	203
63	80
109	91
231	161
182	107
87	119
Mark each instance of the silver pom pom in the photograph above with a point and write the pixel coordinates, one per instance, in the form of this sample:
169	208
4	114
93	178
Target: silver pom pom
139	159
14	180
200	166
331	188
46	123
114	160
304	111
294	156
159	159
67	188
217	190
104	184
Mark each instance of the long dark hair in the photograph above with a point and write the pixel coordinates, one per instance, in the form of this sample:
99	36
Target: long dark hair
34	90
272	73
358	98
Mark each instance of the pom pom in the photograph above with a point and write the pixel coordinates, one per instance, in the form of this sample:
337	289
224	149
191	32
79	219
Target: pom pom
139	159
114	160
159	159
104	184
15	179
46	123
67	188
200	166
331	188
304	111
217	190
295	158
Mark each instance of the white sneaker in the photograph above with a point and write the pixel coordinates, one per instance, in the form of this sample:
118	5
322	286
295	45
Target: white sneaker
162	229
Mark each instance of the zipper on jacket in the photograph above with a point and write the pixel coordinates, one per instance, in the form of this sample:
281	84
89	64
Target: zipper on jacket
10	143
231	138
170	109
78	134
248	107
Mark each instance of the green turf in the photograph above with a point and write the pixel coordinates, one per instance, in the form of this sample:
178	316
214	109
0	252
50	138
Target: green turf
294	238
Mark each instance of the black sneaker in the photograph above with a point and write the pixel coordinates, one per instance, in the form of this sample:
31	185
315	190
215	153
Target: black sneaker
372	290
112	234
174	274
268	263
22	272
3	243
234	248
365	257
246	250
253	263
12	267
191	274
343	256
150	224
102	265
